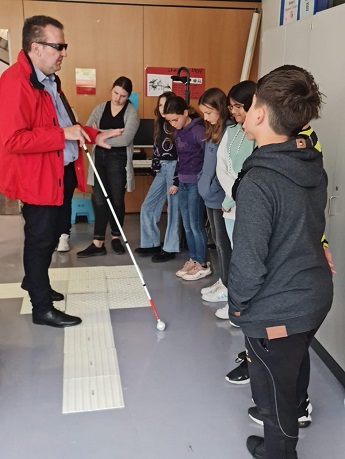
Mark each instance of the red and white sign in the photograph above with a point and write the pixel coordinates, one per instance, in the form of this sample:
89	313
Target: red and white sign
158	80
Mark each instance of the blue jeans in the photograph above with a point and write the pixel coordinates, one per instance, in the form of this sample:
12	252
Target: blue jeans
192	210
152	207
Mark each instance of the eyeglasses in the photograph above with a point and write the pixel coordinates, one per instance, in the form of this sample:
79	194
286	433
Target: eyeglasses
238	106
57	46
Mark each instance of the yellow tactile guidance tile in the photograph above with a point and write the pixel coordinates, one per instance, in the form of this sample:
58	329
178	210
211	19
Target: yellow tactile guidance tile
91	378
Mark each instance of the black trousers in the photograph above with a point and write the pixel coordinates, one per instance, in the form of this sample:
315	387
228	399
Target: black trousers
42	229
111	167
221	239
279	372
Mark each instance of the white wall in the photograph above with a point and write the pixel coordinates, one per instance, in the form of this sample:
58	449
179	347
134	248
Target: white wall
316	43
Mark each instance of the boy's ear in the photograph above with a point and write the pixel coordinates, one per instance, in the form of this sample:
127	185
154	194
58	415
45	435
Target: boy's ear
261	115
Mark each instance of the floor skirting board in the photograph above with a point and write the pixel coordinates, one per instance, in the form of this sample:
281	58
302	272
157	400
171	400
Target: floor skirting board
328	360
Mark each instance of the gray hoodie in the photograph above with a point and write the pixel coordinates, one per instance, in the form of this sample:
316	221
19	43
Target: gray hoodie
279	276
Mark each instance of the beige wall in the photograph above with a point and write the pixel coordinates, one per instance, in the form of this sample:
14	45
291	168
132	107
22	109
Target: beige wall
123	39
11	17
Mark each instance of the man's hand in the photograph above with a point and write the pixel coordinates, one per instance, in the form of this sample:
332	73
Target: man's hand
76	132
227	211
102	136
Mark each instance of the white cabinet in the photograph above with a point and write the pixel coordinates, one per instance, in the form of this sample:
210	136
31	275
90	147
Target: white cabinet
316	44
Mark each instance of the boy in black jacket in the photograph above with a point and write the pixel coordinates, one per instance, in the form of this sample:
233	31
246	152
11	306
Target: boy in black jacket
280	284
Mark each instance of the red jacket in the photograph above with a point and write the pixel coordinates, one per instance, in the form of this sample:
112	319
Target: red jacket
31	141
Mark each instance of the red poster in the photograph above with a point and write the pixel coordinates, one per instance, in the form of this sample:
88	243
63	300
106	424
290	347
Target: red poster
158	80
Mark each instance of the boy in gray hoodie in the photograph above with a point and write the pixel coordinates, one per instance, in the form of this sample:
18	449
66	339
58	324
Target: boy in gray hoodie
280	284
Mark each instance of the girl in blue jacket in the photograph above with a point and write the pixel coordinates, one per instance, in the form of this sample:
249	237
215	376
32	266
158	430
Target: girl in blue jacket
213	105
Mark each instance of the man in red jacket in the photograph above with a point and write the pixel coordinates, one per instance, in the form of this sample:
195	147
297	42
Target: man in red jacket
41	161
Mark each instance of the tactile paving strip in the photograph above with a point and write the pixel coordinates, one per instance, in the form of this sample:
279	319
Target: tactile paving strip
129	293
11	291
91	394
87	285
120	272
91	371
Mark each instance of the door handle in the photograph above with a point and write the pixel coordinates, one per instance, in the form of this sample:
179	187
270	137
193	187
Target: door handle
330	207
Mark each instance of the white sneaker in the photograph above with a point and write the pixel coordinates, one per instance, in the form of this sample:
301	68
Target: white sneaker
63	245
219	295
185	268
223	313
197	272
234	325
212	288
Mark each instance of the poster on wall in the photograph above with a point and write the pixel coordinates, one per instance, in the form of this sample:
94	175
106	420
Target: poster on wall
85	81
288	11
306	8
158	80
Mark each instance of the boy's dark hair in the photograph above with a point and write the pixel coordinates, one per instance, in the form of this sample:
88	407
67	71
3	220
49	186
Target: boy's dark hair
124	83
177	105
216	99
292	97
33	30
243	93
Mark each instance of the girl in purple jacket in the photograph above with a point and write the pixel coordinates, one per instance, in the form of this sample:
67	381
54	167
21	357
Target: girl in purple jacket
189	137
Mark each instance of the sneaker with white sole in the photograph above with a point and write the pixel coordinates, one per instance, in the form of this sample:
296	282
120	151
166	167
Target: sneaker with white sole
219	295
197	272
212	288
234	325
185	268
239	375
223	313
63	245
304	419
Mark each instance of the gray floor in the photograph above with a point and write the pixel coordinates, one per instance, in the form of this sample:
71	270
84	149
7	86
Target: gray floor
177	402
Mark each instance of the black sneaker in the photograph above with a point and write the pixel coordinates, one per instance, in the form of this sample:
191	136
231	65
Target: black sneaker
117	246
239	375
304	419
163	256
241	357
92	251
256	446
146	251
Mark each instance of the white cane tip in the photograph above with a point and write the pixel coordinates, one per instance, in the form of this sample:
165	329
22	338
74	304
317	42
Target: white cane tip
160	325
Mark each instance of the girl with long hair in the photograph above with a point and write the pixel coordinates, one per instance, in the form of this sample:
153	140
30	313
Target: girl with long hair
161	191
213	105
189	140
114	166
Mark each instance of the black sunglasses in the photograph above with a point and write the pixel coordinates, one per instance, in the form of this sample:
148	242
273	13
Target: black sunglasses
57	46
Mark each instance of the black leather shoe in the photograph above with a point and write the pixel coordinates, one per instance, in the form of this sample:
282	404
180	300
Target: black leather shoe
240	375
92	251
55	318
117	246
56	296
163	256
146	251
256	446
